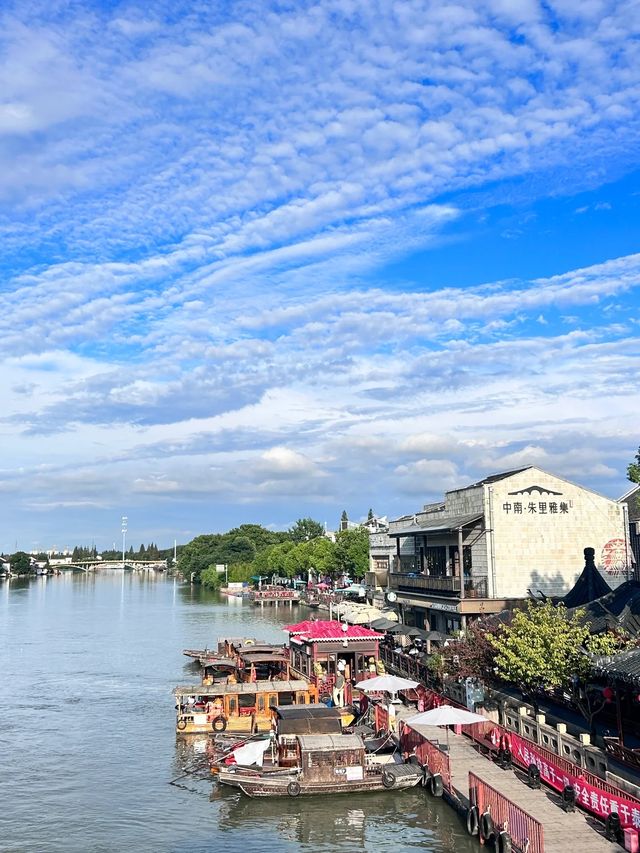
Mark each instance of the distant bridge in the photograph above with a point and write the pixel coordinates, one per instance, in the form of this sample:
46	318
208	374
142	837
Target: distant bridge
132	565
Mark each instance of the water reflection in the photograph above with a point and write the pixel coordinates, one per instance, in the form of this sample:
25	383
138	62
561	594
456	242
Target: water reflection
89	662
401	820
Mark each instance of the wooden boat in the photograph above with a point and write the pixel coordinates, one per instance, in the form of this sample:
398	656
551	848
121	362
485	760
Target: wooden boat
237	706
321	764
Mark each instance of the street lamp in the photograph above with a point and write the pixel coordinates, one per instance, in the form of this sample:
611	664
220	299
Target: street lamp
124	535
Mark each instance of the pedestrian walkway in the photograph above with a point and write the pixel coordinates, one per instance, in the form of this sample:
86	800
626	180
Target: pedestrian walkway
562	830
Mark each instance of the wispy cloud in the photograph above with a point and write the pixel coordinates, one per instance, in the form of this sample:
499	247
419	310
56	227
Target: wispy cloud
206	227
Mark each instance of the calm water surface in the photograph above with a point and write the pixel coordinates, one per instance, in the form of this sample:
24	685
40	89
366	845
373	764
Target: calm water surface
88	747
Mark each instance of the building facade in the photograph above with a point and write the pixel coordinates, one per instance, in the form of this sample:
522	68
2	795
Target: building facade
631	500
491	544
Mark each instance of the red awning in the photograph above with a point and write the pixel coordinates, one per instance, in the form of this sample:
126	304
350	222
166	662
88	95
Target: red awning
319	630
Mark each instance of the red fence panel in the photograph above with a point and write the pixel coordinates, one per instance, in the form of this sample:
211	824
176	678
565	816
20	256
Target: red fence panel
381	716
427	752
527	834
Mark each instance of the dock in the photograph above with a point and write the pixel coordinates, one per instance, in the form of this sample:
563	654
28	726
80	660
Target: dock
510	797
274	597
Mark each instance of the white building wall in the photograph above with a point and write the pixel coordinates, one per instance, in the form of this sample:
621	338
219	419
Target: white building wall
541	524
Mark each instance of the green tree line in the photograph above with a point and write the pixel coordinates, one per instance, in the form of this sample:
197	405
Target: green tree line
252	551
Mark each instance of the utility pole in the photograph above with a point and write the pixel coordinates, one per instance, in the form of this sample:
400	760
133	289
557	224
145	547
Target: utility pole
124	536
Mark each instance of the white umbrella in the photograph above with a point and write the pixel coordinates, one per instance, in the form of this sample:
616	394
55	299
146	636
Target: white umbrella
445	715
386	683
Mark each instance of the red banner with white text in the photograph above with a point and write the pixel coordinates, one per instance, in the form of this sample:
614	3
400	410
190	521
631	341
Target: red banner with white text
589	797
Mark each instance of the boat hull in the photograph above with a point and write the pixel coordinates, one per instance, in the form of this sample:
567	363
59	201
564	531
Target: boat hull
292	785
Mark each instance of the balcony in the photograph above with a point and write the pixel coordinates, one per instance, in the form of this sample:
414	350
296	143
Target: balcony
433	585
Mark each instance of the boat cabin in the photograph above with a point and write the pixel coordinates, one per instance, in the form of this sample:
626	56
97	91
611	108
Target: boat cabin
290	722
329	758
261	666
321	650
238	707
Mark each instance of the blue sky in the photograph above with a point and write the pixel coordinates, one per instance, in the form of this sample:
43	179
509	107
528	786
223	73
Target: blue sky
263	261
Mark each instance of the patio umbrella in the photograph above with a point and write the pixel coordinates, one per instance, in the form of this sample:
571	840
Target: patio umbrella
382	624
416	632
445	715
435	635
398	629
386	683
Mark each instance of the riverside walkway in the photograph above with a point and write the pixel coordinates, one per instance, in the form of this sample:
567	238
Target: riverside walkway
562	830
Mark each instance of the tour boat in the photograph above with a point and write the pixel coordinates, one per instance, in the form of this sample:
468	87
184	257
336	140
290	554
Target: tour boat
237	706
315	764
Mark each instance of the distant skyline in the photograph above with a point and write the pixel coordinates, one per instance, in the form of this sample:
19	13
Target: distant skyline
262	261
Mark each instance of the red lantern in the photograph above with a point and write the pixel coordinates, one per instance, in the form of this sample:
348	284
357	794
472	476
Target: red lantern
608	694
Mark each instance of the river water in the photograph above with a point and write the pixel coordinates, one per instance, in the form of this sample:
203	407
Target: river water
88	749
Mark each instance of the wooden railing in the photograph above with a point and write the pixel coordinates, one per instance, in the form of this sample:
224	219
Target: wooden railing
473	587
622	753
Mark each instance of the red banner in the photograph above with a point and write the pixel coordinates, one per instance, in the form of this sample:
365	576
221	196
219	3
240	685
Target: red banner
595	800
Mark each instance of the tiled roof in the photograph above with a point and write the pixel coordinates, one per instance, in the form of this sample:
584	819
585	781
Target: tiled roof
589	586
438	523
624	666
619	608
326	630
492	478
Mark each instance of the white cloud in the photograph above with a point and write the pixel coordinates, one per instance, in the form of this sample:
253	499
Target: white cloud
199	224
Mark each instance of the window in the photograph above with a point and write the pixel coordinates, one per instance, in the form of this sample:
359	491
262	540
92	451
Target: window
246	700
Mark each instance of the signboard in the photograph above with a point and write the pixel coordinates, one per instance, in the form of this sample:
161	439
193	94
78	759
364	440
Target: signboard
591	798
355	774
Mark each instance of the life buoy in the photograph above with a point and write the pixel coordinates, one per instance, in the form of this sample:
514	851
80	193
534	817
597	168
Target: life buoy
435	786
613	827
533	776
506	758
249	642
486	826
219	724
182	725
293	789
473	820
569	798
503	842
388	780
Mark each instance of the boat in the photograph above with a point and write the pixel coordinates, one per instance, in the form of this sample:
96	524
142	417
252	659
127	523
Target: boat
308	764
243	707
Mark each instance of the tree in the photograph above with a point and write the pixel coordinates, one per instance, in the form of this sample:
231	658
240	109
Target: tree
259	535
473	655
277	558
306	529
344	520
546	648
236	549
322	556
633	473
20	563
352	551
210	578
296	561
199	554
370	515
